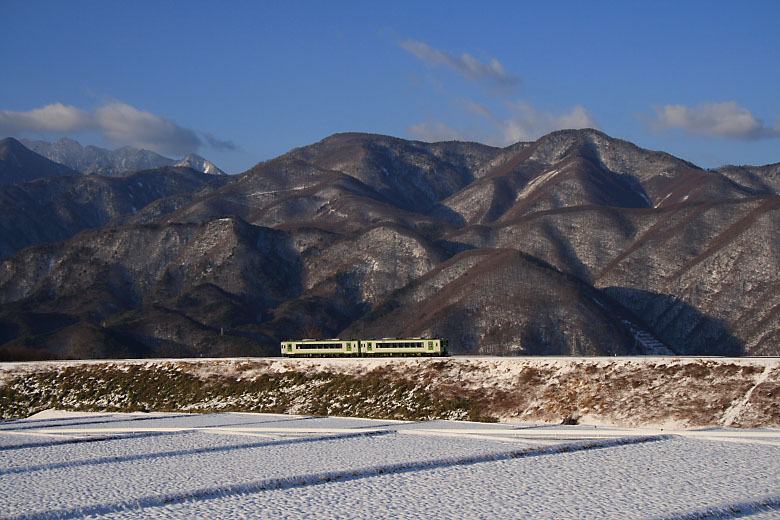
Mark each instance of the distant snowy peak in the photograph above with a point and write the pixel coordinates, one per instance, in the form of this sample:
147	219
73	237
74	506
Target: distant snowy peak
99	161
198	163
112	163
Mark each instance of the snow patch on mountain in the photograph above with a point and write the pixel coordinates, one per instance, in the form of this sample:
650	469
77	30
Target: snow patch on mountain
196	162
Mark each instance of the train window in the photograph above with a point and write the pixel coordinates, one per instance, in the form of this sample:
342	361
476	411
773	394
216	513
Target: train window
321	346
400	344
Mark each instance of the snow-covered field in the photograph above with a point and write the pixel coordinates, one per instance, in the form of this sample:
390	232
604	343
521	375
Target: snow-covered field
240	465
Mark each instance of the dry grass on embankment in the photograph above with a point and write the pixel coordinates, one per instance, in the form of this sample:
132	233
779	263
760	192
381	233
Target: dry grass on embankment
680	392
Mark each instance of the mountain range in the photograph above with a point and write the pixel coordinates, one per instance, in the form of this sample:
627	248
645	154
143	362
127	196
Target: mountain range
99	161
575	244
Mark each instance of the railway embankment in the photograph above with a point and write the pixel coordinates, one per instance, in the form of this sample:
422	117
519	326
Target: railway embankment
658	392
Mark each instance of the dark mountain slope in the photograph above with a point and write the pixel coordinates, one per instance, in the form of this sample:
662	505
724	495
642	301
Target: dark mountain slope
19	164
503	302
576	181
721	260
760	180
289	192
583	168
411	175
663	178
49	210
682	268
134	280
343	277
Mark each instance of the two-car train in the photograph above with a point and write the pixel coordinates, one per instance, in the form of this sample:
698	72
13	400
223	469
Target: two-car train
365	347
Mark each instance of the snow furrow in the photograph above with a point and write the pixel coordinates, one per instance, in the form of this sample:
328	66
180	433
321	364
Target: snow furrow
326	477
100	438
36	424
178	453
738	510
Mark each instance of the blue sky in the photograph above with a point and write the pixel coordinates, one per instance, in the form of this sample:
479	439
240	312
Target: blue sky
248	81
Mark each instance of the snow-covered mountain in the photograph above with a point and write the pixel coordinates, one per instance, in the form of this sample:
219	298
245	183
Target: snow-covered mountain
198	163
112	163
575	244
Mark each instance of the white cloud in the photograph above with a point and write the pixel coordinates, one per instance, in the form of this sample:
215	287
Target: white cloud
492	71
477	109
713	119
219	144
120	123
508	123
522	122
525	123
50	118
436	131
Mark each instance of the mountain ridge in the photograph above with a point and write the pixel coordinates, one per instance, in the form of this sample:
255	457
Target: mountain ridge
112	163
577	243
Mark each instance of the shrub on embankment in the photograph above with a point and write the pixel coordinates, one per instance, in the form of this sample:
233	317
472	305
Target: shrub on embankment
630	392
133	388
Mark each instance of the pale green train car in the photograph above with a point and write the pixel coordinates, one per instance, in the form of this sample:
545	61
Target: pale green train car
364	347
403	347
321	348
